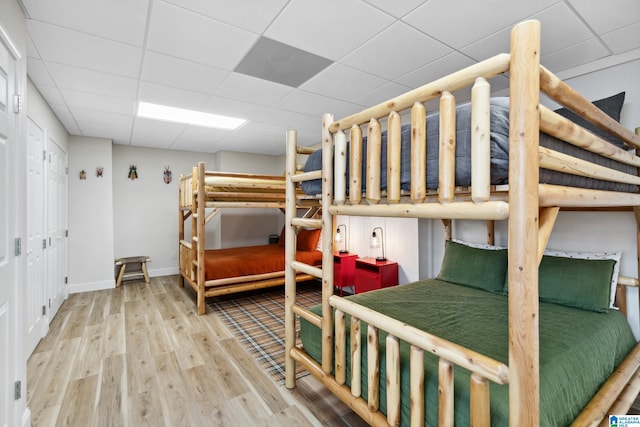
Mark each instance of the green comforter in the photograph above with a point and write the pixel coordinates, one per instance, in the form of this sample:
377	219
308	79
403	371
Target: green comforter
578	349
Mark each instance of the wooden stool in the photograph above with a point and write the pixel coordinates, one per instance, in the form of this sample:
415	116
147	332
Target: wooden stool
123	262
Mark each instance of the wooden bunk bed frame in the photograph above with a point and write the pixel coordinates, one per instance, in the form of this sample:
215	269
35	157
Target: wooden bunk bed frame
202	190
530	207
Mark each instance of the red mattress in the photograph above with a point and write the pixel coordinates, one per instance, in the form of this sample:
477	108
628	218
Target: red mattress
250	260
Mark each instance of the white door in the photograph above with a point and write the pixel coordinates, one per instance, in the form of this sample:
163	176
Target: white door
35	288
56	224
8	335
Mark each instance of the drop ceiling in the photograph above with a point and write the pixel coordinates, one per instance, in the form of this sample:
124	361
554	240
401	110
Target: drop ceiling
93	61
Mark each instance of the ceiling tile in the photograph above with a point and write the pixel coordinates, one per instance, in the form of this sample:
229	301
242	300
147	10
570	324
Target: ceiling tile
384	56
315	26
232	107
342	82
307	103
38	72
94	116
435	70
624	39
197	38
195	138
619	13
575	55
123	21
60	45
180	73
64	115
67	77
251	89
155	133
119	134
560	28
442	20
381	94
51	94
396	8
278	117
235	12
109	104
250	142
166	95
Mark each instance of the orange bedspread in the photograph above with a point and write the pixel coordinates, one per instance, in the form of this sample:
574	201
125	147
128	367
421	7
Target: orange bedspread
249	260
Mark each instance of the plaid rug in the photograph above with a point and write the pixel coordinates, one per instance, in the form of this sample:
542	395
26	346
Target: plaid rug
256	319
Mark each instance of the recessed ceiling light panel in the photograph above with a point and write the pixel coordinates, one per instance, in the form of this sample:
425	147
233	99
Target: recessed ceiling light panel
191	117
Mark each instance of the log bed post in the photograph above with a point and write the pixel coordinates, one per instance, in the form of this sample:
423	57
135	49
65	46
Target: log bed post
524	369
290	251
327	244
201	234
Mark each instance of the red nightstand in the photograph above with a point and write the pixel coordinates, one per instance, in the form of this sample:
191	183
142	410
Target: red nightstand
344	269
372	274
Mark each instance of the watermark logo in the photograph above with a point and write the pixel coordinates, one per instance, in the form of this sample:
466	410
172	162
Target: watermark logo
624	420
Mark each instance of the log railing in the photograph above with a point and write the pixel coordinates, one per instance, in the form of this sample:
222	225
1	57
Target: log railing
483	368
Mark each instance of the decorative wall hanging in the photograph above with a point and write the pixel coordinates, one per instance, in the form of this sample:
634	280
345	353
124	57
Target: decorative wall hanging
83	174
99	171
167	174
133	172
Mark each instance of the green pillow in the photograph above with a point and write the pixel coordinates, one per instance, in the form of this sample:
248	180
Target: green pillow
474	267
575	282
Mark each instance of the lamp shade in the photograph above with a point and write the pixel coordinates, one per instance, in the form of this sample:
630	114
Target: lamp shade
377	241
341	239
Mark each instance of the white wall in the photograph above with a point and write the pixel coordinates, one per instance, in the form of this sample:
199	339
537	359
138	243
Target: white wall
400	237
91	255
246	227
145	210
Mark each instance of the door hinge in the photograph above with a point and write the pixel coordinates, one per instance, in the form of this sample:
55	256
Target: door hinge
66	280
17	390
44	310
44	155
49	302
44	243
17	246
17	104
66	233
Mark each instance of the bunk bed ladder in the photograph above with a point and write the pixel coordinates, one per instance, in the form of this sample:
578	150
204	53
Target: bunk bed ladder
292	224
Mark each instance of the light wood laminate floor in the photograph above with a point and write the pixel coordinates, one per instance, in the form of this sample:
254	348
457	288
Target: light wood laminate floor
138	355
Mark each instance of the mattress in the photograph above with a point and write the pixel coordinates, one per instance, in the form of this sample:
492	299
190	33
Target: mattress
499	142
250	260
578	349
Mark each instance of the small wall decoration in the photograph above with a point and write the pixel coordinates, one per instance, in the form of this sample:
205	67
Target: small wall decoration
83	174
167	175
133	172
99	171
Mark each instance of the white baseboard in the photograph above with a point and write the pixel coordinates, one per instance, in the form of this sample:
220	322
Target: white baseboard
163	271
26	417
92	286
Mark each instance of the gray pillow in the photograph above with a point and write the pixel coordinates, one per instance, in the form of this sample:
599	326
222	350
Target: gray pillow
611	105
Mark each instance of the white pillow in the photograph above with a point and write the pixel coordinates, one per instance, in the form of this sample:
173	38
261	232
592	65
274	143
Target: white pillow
479	245
595	255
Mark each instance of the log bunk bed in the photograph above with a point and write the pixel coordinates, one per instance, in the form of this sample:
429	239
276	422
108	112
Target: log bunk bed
384	379
201	196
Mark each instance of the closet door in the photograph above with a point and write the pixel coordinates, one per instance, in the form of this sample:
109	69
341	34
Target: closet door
35	306
56	208
8	251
